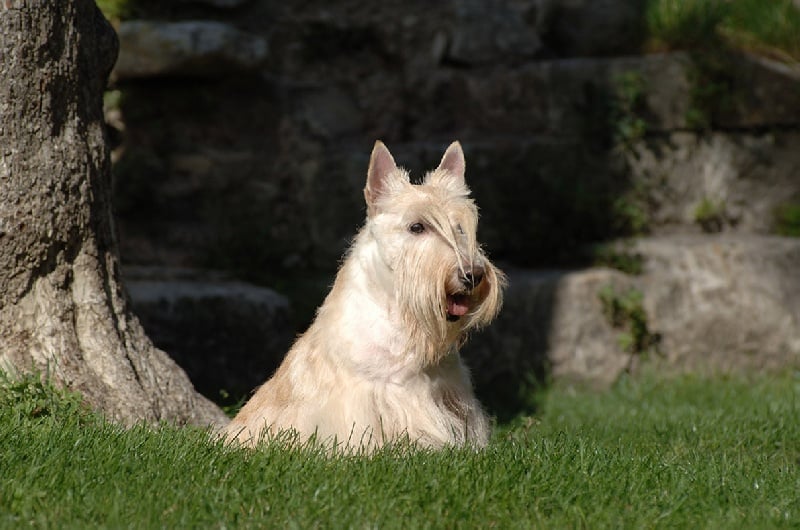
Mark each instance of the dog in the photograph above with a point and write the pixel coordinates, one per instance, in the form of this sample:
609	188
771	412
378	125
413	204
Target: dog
380	362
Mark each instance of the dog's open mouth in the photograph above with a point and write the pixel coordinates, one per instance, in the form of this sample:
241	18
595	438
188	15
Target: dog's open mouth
457	306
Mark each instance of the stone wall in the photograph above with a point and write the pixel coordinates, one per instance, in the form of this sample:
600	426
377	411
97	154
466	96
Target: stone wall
244	129
247	136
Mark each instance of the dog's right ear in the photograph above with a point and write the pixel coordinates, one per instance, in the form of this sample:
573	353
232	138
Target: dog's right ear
381	165
453	161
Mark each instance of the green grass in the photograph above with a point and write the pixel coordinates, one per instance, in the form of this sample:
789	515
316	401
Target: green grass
118	10
687	452
787	219
115	9
770	27
684	23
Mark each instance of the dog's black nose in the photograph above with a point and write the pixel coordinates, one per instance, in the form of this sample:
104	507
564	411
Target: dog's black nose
473	276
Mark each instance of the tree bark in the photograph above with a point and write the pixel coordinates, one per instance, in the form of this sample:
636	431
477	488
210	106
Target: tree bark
63	309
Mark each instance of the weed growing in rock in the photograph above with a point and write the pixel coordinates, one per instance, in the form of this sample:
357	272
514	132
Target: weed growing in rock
621	258
627	123
628	127
713	89
710	215
630	214
625	312
787	219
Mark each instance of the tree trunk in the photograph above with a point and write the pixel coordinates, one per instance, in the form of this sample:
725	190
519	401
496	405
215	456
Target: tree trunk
63	309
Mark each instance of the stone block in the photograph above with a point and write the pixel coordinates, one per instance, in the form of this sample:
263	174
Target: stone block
193	48
724	303
227	335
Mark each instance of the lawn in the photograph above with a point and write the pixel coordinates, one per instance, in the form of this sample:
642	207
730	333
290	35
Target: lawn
682	452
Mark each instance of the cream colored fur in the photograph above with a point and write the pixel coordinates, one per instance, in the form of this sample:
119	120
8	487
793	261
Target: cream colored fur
380	362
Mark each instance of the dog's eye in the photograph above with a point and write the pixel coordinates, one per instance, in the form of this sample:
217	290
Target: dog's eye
460	230
416	228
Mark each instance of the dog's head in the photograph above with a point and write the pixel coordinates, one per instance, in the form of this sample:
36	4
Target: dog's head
426	237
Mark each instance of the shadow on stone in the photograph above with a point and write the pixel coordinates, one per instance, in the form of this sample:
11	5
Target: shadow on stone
508	360
228	336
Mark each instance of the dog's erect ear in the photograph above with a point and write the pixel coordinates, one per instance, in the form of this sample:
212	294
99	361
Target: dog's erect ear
381	165
453	161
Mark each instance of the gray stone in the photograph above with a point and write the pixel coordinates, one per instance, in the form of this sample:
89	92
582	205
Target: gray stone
545	200
745	176
758	92
582	28
227	335
489	31
717	304
330	113
522	101
204	48
552	325
728	303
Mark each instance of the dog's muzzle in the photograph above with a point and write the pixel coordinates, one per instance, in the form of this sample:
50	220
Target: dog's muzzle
458	304
473	276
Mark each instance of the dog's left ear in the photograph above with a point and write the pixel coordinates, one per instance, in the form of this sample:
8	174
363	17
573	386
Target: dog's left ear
453	161
381	165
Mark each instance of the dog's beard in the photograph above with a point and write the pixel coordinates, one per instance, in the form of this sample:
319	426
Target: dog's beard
437	319
487	296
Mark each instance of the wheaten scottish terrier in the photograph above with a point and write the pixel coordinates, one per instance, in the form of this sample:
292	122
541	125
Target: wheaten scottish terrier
380	362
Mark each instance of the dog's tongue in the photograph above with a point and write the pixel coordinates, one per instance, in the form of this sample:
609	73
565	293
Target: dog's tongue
457	305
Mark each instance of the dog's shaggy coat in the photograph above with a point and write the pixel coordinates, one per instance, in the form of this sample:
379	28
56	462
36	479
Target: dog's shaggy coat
380	362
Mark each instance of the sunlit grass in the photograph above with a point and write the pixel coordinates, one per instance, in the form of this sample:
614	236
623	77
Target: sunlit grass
767	26
686	452
684	23
115	10
771	27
